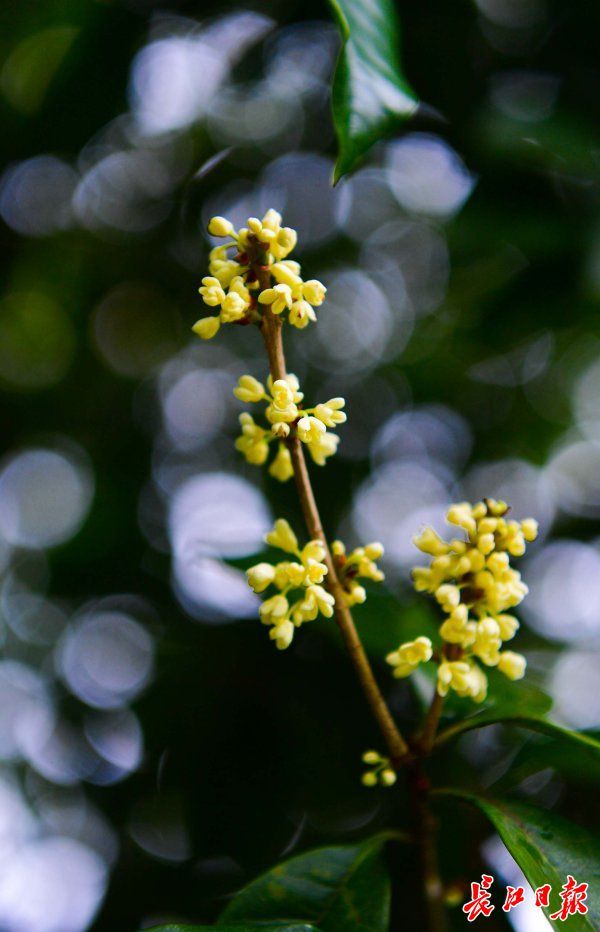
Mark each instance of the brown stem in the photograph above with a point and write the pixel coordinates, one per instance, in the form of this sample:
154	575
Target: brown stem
397	747
425	834
430	725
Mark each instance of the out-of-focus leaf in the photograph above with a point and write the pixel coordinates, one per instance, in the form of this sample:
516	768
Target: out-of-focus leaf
29	69
340	888
547	848
371	98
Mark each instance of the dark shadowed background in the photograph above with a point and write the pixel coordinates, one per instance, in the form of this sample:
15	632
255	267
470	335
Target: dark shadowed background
156	751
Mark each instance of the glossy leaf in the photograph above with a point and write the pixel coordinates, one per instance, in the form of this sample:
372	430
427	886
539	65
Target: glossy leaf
577	760
340	888
547	848
492	716
370	97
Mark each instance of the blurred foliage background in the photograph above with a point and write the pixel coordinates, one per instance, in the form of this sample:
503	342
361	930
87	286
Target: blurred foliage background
156	751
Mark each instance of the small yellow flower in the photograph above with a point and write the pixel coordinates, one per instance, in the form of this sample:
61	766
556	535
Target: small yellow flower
282	634
310	429
279	298
252	443
284	273
301	314
211	291
274	610
322	448
282	537
314	292
281	468
283	394
280	429
207	327
512	665
325	601
260	576
219	226
249	389
331	412
284	242
409	655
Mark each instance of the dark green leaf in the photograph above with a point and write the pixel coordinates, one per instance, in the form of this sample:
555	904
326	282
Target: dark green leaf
340	888
577	761
586	747
371	98
546	848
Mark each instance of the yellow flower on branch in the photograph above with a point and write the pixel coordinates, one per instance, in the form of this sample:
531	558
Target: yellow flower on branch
251	253
302	576
475	586
354	566
284	413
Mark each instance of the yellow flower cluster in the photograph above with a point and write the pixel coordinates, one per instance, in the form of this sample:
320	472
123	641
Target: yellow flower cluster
472	580
236	282
284	413
360	564
381	771
302	575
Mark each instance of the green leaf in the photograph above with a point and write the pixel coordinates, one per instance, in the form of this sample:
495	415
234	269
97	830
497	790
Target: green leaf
576	751
370	97
340	888
574	740
547	848
31	66
577	760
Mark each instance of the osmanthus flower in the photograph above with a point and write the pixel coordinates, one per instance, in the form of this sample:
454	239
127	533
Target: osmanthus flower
380	772
359	564
471	579
284	413
300	597
233	285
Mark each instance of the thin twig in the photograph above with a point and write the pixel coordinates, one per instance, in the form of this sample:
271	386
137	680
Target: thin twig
426	739
397	746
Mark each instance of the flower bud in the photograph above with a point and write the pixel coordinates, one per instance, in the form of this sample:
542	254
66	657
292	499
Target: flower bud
369	779
260	576
282	536
207	328
249	389
371	757
512	665
219	226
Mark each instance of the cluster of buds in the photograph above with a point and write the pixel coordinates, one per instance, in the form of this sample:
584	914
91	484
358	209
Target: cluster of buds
359	564
472	580
303	576
380	771
236	281
284	413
